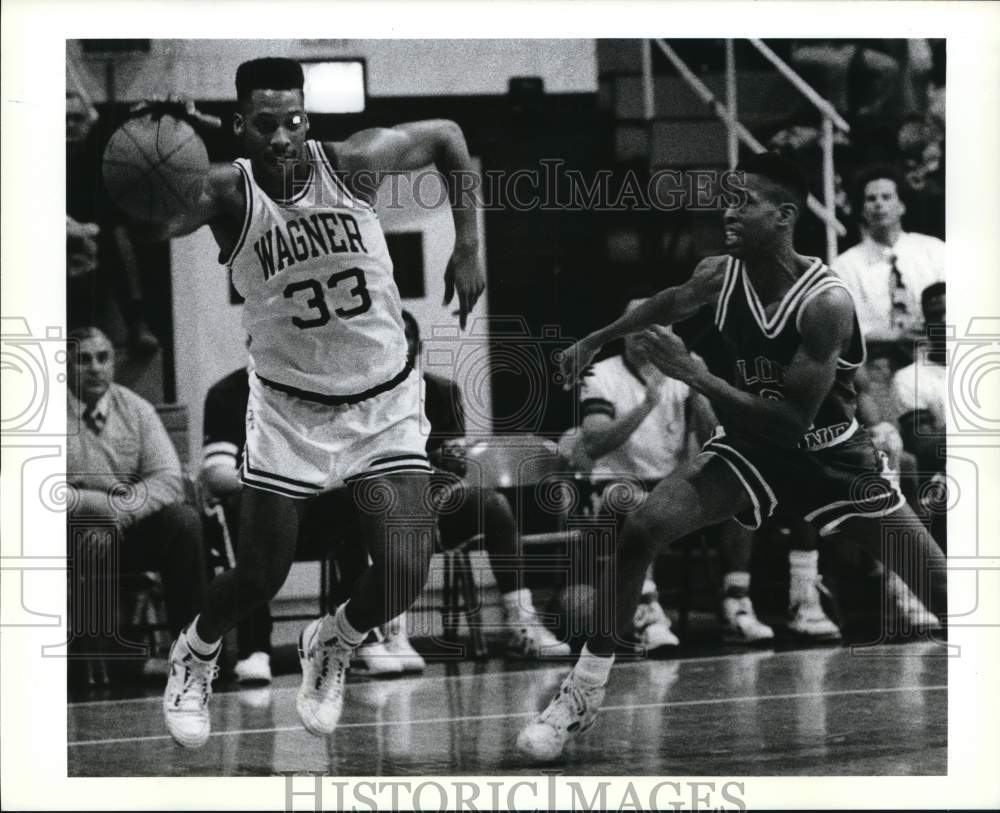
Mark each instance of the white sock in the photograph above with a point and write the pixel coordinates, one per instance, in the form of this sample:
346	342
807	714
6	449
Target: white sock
736	584
205	649
803	561
518	605
592	669
803	569
342	628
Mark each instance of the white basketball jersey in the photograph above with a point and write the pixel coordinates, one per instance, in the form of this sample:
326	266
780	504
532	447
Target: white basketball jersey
322	308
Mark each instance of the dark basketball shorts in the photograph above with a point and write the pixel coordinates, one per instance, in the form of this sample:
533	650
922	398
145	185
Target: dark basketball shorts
849	478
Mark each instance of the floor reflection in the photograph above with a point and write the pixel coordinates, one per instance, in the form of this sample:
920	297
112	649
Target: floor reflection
816	711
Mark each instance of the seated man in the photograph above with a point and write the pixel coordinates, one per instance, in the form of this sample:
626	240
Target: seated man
129	492
921	391
527	636
638	423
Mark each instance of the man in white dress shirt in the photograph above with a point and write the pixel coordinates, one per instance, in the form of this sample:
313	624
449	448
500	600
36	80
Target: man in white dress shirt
889	268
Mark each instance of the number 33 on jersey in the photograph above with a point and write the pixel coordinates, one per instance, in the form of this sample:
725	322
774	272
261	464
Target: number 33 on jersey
322	308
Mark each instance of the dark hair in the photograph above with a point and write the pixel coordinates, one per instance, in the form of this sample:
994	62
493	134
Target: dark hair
268	73
80	334
779	170
876	172
411	324
931	291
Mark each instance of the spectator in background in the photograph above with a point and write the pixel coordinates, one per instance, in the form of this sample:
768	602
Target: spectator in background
824	64
527	636
103	281
127	481
638	423
915	77
874	77
921	390
922	385
921	148
936	82
878	406
856	76
81	237
889	268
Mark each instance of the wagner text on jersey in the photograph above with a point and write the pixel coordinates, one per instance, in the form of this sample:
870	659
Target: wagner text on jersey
320	234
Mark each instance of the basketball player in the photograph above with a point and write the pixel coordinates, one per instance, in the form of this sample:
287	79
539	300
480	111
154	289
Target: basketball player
787	403
332	398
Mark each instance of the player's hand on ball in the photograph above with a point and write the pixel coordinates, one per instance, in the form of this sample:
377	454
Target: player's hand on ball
178	107
155	166
464	276
574	360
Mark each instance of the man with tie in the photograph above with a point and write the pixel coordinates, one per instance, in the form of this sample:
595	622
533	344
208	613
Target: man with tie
126	508
887	271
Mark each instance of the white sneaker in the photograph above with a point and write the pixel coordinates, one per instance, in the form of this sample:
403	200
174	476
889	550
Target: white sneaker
740	622
398	645
254	669
376	659
808	617
910	610
652	626
530	638
809	621
189	688
324	668
571	712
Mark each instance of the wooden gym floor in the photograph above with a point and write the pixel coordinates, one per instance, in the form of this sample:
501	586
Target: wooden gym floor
819	711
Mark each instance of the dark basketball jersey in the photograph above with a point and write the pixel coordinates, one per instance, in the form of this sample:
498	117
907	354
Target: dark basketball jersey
756	349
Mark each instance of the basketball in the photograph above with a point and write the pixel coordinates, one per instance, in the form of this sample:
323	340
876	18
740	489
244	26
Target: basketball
153	166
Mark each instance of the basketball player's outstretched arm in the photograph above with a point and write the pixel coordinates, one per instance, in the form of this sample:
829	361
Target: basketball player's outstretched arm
369	155
668	306
826	325
222	199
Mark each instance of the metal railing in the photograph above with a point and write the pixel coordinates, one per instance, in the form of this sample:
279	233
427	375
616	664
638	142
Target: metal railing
737	132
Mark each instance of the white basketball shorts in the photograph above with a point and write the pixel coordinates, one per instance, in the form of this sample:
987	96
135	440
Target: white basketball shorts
298	448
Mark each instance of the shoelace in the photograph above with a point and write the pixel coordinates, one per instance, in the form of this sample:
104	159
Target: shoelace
327	648
558	707
197	685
